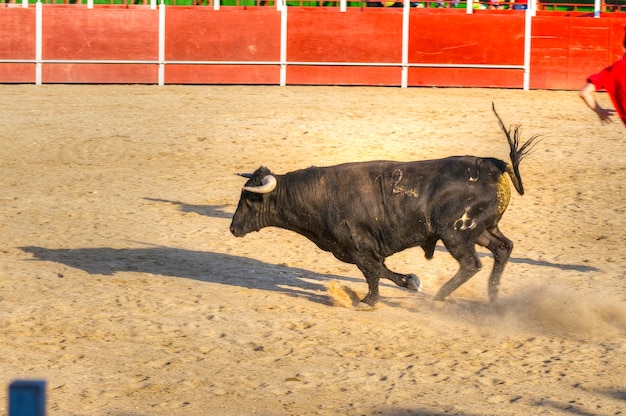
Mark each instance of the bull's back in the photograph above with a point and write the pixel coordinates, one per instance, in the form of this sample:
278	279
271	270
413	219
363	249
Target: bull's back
415	182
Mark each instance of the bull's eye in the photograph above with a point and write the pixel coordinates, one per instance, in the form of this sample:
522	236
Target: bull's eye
253	199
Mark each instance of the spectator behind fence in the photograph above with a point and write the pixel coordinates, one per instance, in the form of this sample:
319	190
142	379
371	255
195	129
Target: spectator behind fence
613	80
477	5
392	3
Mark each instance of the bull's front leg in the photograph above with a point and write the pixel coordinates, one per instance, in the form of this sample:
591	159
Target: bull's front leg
373	271
373	295
408	281
372	276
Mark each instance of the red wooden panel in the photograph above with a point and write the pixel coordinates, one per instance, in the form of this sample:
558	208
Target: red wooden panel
548	73
589	34
196	33
549	52
466	77
467	39
617	28
550	32
17	26
72	32
585	62
596	44
565	50
327	35
100	74
343	75
222	74
17	73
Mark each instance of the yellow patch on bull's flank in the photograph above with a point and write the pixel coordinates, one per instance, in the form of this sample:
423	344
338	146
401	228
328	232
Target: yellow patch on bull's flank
504	194
342	296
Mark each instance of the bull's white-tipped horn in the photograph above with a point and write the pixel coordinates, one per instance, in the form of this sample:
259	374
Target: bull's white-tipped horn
268	184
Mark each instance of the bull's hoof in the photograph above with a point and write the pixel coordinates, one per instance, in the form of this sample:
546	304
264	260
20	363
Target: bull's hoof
413	283
371	300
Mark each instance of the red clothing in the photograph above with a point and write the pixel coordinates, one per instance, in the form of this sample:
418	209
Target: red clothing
613	80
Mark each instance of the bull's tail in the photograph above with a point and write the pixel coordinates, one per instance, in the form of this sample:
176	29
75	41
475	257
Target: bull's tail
518	151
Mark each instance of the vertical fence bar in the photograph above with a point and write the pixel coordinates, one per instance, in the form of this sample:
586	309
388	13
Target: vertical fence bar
90	4
404	82
597	8
25	3
283	43
528	22
153	4
161	72
343	5
38	42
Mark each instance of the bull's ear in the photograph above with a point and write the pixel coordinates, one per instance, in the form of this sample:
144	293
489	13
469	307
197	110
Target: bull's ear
262	172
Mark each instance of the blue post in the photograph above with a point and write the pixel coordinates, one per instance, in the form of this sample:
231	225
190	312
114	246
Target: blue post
27	398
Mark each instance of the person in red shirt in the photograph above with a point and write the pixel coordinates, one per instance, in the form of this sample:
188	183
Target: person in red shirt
613	80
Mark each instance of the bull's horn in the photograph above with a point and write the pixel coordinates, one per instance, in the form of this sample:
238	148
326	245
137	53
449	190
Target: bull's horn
268	184
245	175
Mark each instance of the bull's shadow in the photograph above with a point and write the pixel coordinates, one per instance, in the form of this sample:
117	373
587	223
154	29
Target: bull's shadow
219	212
198	265
542	263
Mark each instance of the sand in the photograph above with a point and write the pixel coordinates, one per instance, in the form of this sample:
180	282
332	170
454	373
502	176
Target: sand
121	286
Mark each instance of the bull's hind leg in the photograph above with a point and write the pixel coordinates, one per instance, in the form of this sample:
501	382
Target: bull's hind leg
501	247
469	263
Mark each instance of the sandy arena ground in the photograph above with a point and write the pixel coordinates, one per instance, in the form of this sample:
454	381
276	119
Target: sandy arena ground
121	285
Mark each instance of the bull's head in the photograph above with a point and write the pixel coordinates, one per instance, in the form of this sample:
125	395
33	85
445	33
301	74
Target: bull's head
252	208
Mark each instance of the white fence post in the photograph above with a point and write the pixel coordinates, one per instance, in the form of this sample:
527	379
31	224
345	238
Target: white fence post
161	71
404	82
38	42
527	45
283	43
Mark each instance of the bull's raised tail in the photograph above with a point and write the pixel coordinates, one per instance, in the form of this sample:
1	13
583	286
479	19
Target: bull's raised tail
518	151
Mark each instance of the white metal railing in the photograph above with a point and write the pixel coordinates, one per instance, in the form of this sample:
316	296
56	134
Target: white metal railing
283	63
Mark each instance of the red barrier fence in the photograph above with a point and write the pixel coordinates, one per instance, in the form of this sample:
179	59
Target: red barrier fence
51	43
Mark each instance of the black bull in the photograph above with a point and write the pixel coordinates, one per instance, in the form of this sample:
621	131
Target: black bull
365	212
